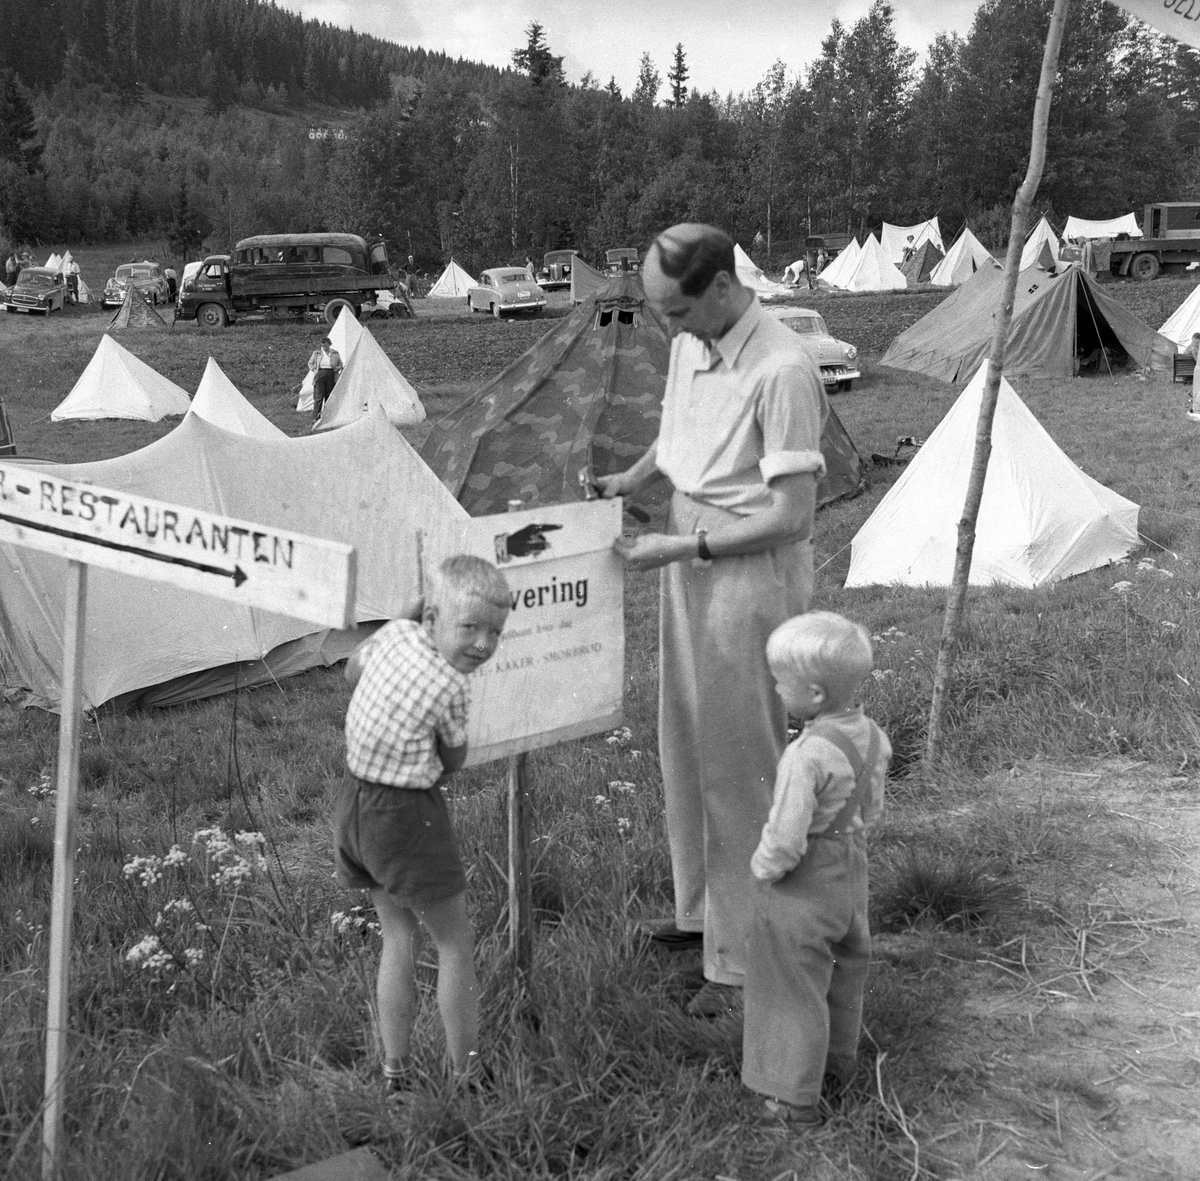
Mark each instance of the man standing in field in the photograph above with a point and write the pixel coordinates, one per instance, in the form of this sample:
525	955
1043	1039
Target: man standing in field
740	441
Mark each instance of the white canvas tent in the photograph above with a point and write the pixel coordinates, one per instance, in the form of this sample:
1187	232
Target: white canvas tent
894	239
1041	519
343	336
962	260
1042	235
1077	228
370	380
842	267
363	485
219	402
873	271
453	283
750	275
116	384
53	262
1184	320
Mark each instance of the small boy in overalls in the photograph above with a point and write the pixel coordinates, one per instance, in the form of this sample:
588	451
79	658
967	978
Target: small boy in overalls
809	943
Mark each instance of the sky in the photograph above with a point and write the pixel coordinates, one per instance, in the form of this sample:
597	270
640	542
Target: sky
729	45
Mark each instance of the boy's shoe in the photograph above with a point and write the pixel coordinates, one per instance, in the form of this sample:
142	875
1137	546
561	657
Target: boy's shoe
397	1084
800	1119
715	1000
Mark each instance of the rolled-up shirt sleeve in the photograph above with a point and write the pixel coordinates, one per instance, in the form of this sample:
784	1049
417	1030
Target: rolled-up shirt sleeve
791	410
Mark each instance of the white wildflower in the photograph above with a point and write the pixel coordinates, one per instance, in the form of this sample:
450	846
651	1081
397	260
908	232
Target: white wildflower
1122	588
602	801
150	956
621	737
622	786
193	955
175	857
178	904
147	870
624	824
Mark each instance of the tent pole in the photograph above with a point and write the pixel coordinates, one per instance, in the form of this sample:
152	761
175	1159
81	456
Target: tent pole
1092	313
956	598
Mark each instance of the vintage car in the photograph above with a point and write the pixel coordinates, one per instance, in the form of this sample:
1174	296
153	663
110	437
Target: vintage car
506	289
556	269
147	277
37	289
624	258
835	357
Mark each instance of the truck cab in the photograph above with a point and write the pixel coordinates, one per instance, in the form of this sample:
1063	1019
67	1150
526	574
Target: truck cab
1170	241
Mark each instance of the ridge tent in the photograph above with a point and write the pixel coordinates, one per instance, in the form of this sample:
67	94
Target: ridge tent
1041	519
962	260
116	384
587	395
921	264
343	336
894	239
1078	228
370	380
453	283
135	311
1183	321
1036	245
1056	320
158	645
53	262
749	274
585	280
837	272
218	401
873	272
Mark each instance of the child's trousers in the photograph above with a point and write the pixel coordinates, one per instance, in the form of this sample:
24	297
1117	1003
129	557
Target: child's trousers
807	960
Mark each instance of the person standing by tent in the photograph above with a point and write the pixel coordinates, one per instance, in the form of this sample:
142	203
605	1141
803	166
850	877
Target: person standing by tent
1193	350
73	280
740	439
326	364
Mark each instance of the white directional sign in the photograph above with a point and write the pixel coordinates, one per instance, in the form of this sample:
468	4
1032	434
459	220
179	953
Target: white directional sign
254	565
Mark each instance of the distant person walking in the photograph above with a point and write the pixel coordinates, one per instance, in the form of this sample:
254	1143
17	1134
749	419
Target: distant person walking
326	365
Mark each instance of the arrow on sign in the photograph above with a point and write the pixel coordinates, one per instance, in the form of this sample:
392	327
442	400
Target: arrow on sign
237	573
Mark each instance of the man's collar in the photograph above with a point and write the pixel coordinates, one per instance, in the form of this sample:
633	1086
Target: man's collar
731	344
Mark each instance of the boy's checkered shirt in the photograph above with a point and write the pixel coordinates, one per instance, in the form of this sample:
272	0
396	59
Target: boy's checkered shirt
406	696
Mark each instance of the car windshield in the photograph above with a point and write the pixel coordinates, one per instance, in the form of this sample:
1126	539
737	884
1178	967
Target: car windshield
36	279
512	276
136	272
807	325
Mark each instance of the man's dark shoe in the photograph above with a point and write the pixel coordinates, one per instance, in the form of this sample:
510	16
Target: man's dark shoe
665	933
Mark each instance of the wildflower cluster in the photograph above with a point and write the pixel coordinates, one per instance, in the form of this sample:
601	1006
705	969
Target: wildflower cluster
44	787
232	860
357	921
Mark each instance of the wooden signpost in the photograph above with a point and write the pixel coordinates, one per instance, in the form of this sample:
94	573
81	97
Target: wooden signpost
559	673
250	564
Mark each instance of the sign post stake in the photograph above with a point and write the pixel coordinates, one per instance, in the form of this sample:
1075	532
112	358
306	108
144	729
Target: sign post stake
520	883
62	895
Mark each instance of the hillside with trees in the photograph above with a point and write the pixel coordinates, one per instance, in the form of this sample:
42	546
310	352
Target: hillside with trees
207	120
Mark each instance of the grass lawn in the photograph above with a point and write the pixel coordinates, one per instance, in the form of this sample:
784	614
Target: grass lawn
1008	888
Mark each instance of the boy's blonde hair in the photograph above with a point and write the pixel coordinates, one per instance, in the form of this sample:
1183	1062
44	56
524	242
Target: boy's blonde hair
465	576
825	649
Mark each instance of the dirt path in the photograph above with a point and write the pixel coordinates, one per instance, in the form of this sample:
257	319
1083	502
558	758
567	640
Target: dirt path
1084	1051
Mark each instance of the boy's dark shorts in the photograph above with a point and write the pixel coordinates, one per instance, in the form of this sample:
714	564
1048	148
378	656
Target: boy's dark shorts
397	839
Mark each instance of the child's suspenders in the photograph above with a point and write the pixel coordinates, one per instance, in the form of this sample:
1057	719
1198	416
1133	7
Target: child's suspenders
862	770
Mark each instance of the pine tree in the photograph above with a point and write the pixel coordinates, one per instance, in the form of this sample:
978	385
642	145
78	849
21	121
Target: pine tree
536	59
677	75
18	132
645	93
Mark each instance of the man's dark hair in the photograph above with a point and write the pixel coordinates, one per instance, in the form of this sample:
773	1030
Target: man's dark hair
694	255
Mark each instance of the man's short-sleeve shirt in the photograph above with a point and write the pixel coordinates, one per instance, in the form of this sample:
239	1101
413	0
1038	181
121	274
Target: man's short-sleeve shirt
406	697
740	413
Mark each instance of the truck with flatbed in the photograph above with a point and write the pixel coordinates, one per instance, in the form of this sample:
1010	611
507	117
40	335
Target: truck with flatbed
1170	242
286	276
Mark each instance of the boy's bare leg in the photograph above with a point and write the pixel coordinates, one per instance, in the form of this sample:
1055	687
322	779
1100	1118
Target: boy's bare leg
396	987
458	988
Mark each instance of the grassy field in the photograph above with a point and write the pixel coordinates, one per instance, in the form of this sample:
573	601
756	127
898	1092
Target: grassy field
241	1044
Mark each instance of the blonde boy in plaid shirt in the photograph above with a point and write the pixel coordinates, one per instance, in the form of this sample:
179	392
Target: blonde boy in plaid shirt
405	736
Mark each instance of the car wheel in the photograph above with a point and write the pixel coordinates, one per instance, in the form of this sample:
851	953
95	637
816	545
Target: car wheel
212	315
844	386
496	310
1144	266
334	307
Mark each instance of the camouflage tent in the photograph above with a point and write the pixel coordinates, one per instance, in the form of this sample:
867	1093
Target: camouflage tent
136	311
920	264
588	394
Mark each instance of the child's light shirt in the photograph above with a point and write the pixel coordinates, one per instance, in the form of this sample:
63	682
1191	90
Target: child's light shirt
813	781
407	696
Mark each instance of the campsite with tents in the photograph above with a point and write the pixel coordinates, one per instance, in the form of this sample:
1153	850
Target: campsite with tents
1066	787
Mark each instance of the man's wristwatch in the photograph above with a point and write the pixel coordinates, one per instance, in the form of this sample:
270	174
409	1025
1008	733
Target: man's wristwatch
702	550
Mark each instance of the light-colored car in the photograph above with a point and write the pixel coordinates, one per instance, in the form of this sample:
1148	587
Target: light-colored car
38	289
147	277
506	289
835	357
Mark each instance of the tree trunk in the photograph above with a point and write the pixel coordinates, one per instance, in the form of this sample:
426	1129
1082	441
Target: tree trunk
956	599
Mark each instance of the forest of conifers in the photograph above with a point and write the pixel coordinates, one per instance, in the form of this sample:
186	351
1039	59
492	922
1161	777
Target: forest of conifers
207	120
